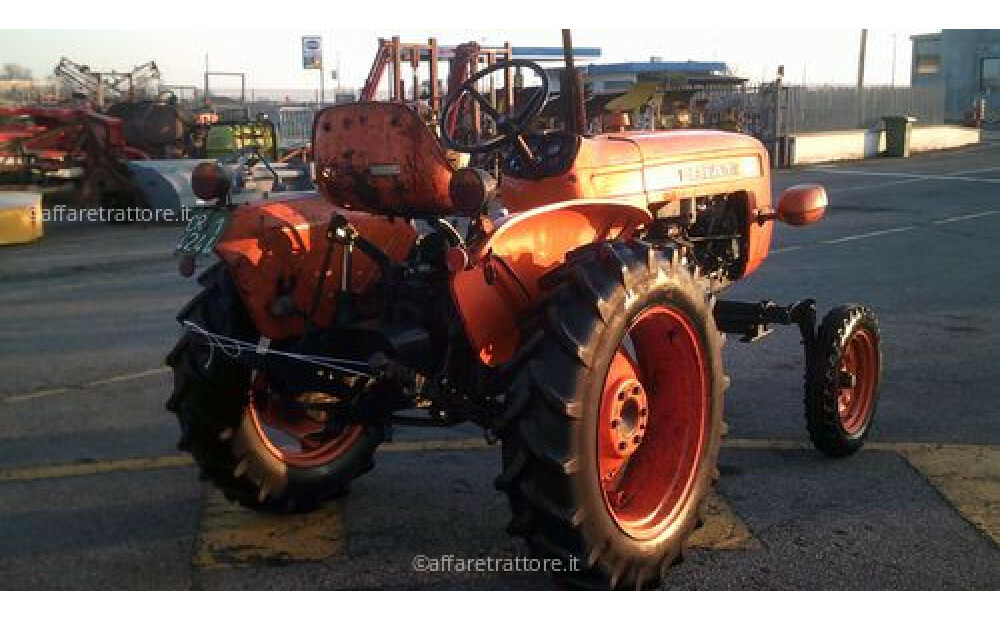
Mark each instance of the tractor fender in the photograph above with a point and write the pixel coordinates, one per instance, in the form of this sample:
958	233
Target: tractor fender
502	279
275	248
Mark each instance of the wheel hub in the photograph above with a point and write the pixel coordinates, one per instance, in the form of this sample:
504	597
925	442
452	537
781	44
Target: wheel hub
653	422
298	435
627	418
856	381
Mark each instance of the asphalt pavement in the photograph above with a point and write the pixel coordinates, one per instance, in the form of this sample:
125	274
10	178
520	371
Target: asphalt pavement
93	493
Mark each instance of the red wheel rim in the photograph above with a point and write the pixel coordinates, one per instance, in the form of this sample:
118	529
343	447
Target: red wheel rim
653	423
287	433
858	370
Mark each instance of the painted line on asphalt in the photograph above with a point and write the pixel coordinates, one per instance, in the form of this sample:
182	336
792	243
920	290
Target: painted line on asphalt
90	468
130	376
889	231
968	478
905	181
878	446
857	188
962	218
910	175
32	395
976	170
877	233
152	372
233	536
87	468
723	529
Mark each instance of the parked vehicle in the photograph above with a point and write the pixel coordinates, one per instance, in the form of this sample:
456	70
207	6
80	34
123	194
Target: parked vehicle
571	308
73	152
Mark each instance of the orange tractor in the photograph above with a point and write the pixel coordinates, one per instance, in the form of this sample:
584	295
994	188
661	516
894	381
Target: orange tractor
570	308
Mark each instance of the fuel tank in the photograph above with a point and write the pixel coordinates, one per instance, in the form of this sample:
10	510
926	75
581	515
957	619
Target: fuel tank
158	129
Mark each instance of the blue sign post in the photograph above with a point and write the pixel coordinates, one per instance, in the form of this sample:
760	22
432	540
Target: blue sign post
312	58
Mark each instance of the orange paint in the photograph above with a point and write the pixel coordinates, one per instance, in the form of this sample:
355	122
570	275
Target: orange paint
381	157
649	169
378	159
281	243
517	254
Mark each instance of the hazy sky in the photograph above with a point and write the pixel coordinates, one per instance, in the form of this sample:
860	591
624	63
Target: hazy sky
272	59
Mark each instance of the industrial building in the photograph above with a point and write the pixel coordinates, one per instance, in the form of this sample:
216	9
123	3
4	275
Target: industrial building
965	64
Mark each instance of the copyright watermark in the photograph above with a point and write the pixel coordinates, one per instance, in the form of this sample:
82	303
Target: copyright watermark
138	215
458	564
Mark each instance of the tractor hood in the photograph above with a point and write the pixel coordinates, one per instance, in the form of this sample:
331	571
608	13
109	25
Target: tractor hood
685	144
647	168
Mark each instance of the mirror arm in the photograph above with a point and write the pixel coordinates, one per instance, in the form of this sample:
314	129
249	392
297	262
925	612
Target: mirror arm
764	217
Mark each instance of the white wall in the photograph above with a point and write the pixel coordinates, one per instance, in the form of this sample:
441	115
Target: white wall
827	146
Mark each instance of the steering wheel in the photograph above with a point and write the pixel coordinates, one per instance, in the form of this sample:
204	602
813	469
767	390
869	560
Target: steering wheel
511	126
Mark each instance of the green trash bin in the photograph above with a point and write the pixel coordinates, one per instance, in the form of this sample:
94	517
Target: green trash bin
897	135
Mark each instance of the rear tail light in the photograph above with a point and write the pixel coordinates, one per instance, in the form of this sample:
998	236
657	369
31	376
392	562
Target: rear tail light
210	181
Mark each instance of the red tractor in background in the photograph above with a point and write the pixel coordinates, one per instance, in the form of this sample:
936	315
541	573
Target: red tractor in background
570	307
71	150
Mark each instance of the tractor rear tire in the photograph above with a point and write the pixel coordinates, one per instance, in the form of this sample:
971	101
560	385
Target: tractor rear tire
842	380
212	400
626	348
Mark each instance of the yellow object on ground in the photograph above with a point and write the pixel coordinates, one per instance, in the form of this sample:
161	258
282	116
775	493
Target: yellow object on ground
634	99
20	217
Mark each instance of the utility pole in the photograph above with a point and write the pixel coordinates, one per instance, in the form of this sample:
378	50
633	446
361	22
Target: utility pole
861	77
893	82
861	58
208	101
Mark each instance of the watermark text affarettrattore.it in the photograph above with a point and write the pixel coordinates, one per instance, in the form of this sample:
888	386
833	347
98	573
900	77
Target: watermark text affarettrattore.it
140	215
457	564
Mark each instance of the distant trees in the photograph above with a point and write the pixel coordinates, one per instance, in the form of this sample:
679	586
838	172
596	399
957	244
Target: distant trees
14	71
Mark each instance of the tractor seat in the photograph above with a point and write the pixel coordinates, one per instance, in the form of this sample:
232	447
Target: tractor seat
381	157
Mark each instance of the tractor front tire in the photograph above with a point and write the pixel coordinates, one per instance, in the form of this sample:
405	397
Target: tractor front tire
614	421
219	426
842	380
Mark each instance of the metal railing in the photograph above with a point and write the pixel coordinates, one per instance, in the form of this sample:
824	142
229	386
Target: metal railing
294	124
831	108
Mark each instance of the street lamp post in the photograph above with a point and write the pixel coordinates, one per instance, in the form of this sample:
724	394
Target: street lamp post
861	77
